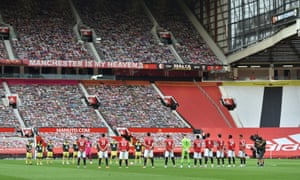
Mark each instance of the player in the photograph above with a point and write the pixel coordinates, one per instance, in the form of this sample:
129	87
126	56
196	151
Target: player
148	152
114	151
138	147
169	150
260	146
81	142
231	151
197	145
88	150
242	149
102	147
50	147
75	151
29	149
208	150
40	150
185	152
66	152
220	145
123	152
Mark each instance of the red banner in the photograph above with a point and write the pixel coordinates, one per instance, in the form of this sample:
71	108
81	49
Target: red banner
150	66
74	130
83	64
11	62
9	129
214	68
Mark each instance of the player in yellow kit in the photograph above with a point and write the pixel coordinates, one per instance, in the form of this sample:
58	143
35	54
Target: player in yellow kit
50	147
66	153
29	148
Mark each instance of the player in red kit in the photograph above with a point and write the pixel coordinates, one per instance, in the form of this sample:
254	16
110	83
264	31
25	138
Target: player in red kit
123	152
197	146
242	153
231	151
102	146
208	150
148	152
220	145
169	150
81	142
88	150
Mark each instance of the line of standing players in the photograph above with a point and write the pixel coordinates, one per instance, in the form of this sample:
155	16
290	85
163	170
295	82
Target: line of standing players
82	150
204	147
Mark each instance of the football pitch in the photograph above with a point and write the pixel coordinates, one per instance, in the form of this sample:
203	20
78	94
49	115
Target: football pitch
274	169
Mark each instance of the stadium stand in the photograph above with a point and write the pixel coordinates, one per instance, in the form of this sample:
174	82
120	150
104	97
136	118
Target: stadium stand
121	104
215	95
44	30
194	104
125	32
126	105
59	105
191	47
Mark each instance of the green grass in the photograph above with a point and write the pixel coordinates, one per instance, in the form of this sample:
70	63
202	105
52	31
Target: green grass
275	169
